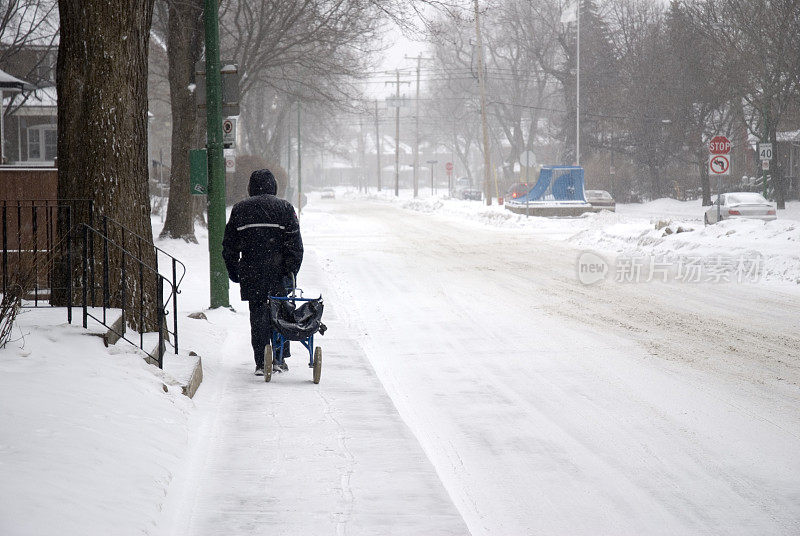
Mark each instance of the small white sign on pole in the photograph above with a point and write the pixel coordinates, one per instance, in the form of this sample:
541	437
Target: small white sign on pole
230	161
765	151
765	165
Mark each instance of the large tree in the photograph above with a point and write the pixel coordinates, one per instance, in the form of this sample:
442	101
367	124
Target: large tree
102	126
184	34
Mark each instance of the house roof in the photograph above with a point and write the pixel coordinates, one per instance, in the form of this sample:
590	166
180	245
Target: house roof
13	84
43	97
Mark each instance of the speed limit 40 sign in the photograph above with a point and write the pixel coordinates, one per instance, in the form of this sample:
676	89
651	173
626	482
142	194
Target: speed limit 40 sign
765	151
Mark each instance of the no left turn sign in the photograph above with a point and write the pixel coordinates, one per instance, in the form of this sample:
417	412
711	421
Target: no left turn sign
719	164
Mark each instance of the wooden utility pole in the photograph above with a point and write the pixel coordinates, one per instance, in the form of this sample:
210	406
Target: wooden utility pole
419	59
299	166
482	83
378	144
397	138
397	133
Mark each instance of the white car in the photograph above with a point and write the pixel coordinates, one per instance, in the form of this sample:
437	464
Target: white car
740	205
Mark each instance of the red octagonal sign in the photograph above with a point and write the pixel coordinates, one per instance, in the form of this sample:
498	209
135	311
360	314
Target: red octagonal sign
719	145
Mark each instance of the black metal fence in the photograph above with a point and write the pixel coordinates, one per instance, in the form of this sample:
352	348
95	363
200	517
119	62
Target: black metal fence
29	235
41	239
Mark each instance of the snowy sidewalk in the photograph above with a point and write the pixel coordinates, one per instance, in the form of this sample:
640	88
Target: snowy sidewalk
291	457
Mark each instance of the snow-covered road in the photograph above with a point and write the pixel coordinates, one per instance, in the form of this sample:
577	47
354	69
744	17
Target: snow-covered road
548	407
471	384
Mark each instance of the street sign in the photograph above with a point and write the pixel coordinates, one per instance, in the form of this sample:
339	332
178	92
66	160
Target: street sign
719	164
765	165
719	145
527	159
229	80
230	161
198	172
449	167
765	151
229	132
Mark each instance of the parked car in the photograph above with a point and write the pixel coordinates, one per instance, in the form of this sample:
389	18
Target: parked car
328	193
464	190
600	199
740	205
517	190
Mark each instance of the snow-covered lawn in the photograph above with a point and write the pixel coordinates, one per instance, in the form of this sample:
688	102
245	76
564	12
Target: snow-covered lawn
88	435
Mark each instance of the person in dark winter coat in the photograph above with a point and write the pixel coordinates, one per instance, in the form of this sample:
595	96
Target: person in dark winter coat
262	249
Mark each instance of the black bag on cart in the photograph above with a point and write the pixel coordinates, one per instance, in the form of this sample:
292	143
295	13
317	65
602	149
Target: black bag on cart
297	323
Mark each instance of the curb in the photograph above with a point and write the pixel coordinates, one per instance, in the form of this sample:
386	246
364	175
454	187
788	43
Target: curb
194	380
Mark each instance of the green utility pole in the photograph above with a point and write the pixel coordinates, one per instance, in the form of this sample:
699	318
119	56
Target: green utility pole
299	166
216	161
765	139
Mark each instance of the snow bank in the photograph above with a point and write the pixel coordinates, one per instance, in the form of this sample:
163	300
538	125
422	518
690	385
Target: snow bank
88	434
775	242
664	228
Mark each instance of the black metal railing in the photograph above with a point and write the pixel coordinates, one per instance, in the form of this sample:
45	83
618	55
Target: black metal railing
30	230
129	240
130	264
41	238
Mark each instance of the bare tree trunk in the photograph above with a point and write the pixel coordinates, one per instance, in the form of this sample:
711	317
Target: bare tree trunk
705	182
185	28
102	133
777	173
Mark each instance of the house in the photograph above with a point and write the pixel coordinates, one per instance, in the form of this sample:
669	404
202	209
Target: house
30	128
28	51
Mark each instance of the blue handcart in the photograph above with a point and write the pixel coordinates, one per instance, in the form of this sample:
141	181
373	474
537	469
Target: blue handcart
294	318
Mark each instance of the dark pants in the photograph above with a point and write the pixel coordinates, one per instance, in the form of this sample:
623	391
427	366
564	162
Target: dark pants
261	331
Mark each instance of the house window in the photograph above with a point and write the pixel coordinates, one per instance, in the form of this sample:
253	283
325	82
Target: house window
34	144
42	143
50	144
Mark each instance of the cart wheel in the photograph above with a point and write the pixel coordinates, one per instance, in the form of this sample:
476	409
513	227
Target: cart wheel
317	363
268	363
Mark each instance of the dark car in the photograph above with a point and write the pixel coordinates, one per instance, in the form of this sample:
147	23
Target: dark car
464	190
601	200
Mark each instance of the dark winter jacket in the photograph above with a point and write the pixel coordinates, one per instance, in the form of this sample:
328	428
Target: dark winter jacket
262	245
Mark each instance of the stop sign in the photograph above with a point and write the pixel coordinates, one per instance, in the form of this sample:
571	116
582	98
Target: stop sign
448	166
719	145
